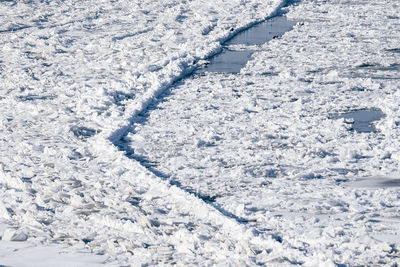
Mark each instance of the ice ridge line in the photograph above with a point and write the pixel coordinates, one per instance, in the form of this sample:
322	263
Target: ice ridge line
116	135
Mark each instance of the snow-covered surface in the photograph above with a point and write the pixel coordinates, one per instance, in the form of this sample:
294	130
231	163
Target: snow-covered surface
245	168
27	254
266	147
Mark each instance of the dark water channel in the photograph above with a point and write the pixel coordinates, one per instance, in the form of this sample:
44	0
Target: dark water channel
228	61
362	119
263	32
231	60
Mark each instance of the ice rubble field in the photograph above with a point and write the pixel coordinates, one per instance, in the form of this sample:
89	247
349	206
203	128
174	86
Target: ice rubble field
248	168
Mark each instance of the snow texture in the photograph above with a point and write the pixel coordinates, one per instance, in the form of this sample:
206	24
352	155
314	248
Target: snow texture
112	153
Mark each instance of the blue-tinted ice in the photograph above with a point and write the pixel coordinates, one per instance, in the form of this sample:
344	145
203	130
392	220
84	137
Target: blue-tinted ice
375	182
363	119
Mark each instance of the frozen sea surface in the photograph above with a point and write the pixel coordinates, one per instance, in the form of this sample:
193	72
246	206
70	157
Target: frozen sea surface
263	147
221	168
73	75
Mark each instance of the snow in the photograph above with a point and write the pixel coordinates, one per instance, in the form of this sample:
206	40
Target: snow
112	153
25	254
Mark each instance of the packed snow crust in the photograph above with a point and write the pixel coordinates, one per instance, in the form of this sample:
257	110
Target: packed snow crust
217	168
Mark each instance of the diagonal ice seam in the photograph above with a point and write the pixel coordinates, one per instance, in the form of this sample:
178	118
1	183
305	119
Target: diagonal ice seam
262	147
226	221
119	142
117	137
187	69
